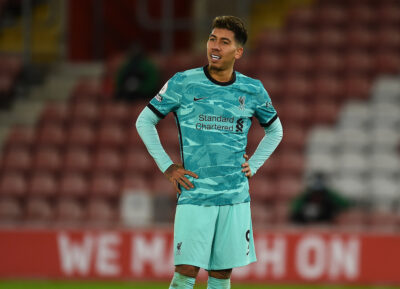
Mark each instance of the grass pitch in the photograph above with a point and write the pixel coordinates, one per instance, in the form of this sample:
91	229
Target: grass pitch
160	285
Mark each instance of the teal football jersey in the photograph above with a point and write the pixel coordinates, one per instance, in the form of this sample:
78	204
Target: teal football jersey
213	120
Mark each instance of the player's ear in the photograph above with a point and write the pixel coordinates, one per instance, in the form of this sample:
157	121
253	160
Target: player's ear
239	52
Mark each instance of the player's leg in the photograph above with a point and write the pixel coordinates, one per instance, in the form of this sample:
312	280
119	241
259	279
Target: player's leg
193	236
219	279
233	244
184	277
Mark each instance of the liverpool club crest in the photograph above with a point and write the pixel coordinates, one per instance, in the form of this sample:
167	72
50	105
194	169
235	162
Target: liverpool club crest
242	100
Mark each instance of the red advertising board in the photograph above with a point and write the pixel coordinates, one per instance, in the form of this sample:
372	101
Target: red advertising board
147	254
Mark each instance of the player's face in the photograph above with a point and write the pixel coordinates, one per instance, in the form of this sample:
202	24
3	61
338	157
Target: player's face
222	49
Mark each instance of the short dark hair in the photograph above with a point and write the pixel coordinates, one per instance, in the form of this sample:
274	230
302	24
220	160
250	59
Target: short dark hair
234	24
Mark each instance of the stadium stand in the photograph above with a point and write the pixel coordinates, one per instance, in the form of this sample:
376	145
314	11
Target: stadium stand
333	73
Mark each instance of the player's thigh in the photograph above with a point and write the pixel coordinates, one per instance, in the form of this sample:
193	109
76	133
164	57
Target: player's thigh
233	242
193	234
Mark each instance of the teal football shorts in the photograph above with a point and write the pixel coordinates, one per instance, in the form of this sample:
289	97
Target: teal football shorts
213	237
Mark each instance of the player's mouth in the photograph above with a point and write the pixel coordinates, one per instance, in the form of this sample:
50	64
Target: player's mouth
215	57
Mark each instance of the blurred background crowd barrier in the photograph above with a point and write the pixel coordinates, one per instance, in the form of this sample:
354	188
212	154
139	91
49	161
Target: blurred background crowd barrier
74	75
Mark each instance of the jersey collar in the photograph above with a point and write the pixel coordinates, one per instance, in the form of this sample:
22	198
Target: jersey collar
205	69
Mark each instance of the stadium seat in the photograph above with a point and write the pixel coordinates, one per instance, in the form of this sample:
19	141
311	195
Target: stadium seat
304	18
19	137
104	185
136	209
69	212
81	135
322	139
355	114
119	113
87	111
42	185
262	189
138	161
288	186
107	161
38	210
13	185
54	113
73	185
50	134
18	160
86	90
47	160
331	15
262	215
77	159
100	212
327	62
353	187
110	135
136	182
10	211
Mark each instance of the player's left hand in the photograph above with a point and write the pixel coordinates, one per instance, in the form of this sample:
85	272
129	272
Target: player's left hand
246	168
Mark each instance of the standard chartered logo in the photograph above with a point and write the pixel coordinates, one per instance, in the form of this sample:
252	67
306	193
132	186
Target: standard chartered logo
221	123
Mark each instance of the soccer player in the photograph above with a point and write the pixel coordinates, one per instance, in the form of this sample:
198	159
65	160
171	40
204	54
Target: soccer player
213	107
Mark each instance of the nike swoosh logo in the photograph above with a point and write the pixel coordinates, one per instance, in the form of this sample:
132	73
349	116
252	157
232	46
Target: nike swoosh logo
196	99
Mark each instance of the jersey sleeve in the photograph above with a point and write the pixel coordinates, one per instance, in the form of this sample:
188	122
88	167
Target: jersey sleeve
169	97
265	112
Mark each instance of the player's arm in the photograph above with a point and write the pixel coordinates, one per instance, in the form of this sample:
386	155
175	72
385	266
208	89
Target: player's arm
146	127
273	136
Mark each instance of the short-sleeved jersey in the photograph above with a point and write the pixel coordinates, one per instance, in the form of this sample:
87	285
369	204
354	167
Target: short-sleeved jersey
213	120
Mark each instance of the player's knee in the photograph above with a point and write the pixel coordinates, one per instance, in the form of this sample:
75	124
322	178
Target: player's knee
187	270
221	274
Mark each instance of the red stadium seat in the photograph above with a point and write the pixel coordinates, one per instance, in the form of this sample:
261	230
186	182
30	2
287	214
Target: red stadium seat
100	212
111	135
10	210
19	137
38	210
262	189
87	111
50	134
87	89
301	40
324	111
363	14
81	135
332	16
54	113
107	160
42	185
73	185
330	38
13	185
359	38
291	162
17	160
77	160
262	215
111	112
288	186
134	182
304	18
47	159
138	161
69	211
357	62
104	186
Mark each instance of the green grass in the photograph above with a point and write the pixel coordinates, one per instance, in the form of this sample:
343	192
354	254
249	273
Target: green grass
159	285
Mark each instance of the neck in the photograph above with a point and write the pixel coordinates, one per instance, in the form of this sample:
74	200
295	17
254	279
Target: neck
221	75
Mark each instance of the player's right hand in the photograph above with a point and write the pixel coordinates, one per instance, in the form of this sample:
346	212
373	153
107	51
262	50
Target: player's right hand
176	175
